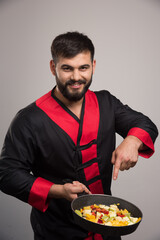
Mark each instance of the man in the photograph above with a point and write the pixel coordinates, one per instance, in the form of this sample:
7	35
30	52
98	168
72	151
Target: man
69	133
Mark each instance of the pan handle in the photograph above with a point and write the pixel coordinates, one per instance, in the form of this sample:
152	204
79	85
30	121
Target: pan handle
82	193
67	180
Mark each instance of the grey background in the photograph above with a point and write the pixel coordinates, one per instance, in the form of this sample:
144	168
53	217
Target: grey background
126	34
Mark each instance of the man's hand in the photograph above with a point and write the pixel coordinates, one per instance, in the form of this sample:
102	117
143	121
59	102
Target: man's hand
125	155
68	191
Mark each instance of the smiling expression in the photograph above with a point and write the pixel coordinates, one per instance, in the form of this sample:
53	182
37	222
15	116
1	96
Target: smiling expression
73	75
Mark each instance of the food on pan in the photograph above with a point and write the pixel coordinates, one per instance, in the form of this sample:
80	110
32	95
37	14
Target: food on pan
107	215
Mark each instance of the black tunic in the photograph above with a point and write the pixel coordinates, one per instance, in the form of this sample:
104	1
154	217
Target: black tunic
46	143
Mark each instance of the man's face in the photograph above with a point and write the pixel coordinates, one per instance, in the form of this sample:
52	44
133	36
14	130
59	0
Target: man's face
73	75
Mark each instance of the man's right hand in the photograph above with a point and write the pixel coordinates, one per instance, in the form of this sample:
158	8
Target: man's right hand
68	191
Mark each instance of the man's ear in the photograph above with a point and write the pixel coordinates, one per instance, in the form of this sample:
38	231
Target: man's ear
94	65
53	67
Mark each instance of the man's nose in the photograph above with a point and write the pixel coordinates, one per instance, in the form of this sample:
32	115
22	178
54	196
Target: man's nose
75	75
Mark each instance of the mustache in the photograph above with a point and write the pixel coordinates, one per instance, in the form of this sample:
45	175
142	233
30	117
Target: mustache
70	82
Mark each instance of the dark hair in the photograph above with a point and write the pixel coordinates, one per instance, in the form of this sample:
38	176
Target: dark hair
70	44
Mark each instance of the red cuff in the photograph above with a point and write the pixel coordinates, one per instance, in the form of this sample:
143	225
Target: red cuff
38	194
145	138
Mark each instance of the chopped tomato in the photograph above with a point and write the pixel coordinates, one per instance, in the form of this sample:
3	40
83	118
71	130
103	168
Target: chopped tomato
102	211
100	221
120	215
105	211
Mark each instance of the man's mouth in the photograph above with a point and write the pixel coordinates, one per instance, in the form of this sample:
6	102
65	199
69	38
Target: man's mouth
76	84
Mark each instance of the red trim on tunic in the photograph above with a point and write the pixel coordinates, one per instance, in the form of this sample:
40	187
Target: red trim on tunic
90	236
38	194
91	171
61	117
145	138
98	237
91	118
95	236
96	187
90	133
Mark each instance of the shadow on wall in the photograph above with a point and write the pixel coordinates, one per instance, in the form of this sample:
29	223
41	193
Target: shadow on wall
4	1
7	236
158	238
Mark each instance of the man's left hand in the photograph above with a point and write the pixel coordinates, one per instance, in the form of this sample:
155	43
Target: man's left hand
125	155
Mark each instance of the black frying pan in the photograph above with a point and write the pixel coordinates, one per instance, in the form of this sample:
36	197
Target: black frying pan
87	200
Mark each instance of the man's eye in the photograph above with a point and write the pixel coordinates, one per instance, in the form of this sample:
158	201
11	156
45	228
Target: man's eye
66	69
83	68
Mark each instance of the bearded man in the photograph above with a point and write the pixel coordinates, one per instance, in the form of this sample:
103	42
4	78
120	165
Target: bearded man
69	133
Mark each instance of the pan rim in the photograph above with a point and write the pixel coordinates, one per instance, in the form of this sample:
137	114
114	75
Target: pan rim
112	228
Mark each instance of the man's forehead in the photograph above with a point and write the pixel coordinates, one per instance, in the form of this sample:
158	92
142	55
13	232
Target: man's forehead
79	59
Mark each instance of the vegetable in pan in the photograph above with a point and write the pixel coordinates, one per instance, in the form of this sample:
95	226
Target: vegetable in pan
107	215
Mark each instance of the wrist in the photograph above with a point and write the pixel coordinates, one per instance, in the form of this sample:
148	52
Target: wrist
56	191
139	144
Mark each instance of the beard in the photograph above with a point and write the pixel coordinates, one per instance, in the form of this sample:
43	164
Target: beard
73	96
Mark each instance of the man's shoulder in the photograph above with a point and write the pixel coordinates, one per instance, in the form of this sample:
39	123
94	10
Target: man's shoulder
105	98
103	95
32	110
26	116
102	92
44	99
30	116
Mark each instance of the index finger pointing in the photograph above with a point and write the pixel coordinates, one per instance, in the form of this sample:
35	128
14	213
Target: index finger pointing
116	169
113	159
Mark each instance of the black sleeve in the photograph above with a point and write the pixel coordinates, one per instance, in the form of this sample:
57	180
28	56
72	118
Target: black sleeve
123	117
16	159
127	118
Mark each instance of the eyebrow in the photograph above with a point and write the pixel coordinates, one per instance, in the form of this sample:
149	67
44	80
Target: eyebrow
69	66
66	65
85	65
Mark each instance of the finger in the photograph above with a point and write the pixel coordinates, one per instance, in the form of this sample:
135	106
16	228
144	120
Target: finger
82	187
77	188
127	165
116	169
124	166
133	164
87	190
113	159
76	183
130	165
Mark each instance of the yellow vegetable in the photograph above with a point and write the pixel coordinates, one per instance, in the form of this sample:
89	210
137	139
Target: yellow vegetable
90	217
87	208
119	223
124	212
